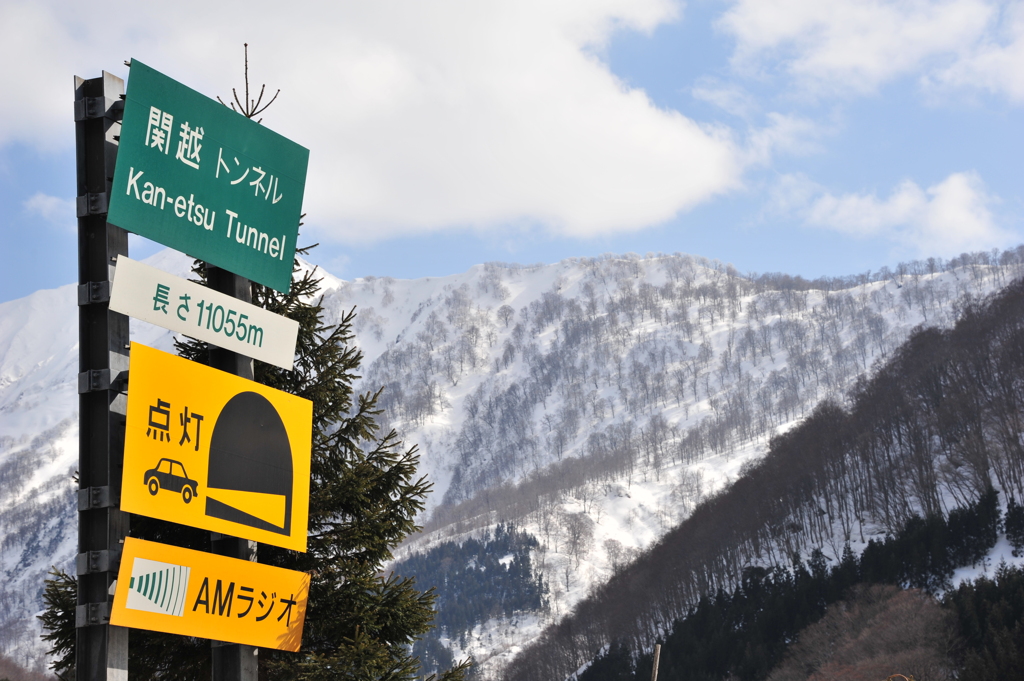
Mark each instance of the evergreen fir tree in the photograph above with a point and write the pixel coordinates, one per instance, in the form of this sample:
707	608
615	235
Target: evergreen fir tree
1015	526
61	598
364	497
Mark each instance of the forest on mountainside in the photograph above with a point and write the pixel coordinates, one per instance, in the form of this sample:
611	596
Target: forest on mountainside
989	617
477	580
933	429
746	632
887	622
610	377
593	363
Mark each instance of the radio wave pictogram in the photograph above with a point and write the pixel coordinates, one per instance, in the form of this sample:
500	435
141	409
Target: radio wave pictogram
158	587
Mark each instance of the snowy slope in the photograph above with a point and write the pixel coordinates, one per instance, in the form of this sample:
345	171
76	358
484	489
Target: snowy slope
823	340
575	424
592	402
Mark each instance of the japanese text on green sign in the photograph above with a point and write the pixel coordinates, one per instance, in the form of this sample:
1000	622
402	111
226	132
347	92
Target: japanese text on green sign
200	178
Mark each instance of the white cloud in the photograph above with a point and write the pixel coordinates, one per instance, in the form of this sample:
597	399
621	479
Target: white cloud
56	211
729	97
854	46
946	219
783	134
419	116
996	64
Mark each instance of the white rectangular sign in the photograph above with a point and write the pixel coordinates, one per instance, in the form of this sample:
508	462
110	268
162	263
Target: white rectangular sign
182	306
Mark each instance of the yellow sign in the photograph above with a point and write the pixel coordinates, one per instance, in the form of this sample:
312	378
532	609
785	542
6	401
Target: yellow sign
180	591
215	451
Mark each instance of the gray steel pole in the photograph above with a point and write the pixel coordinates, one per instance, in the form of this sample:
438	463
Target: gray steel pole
657	658
232	661
101	650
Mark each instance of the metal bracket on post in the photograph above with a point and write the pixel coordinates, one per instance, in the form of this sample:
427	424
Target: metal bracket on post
89	108
97	561
93	292
92	204
93	380
96	497
92	614
98	380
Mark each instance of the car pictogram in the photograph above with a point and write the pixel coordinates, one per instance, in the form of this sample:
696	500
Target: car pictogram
170	474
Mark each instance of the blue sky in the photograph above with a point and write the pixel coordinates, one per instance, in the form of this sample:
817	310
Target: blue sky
827	137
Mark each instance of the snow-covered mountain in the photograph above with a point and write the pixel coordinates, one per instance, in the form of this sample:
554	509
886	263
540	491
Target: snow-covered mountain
595	402
592	402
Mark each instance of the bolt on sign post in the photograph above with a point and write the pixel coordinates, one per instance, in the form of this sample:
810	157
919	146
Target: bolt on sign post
192	593
101	650
149	294
215	451
196	176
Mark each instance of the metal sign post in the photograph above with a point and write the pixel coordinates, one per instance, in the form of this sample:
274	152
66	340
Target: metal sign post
230	194
101	650
232	661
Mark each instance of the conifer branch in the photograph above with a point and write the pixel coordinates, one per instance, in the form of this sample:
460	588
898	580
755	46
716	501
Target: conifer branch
251	107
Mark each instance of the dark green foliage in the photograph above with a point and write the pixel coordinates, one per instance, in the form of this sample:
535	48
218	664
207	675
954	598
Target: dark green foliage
471	583
973	531
60	596
990	619
364	496
432	654
615	664
743	634
363	500
927	551
1015	526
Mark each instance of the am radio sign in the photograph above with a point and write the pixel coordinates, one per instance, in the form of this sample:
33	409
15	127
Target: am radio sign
192	593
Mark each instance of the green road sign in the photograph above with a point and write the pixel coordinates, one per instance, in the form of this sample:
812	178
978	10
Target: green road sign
196	176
